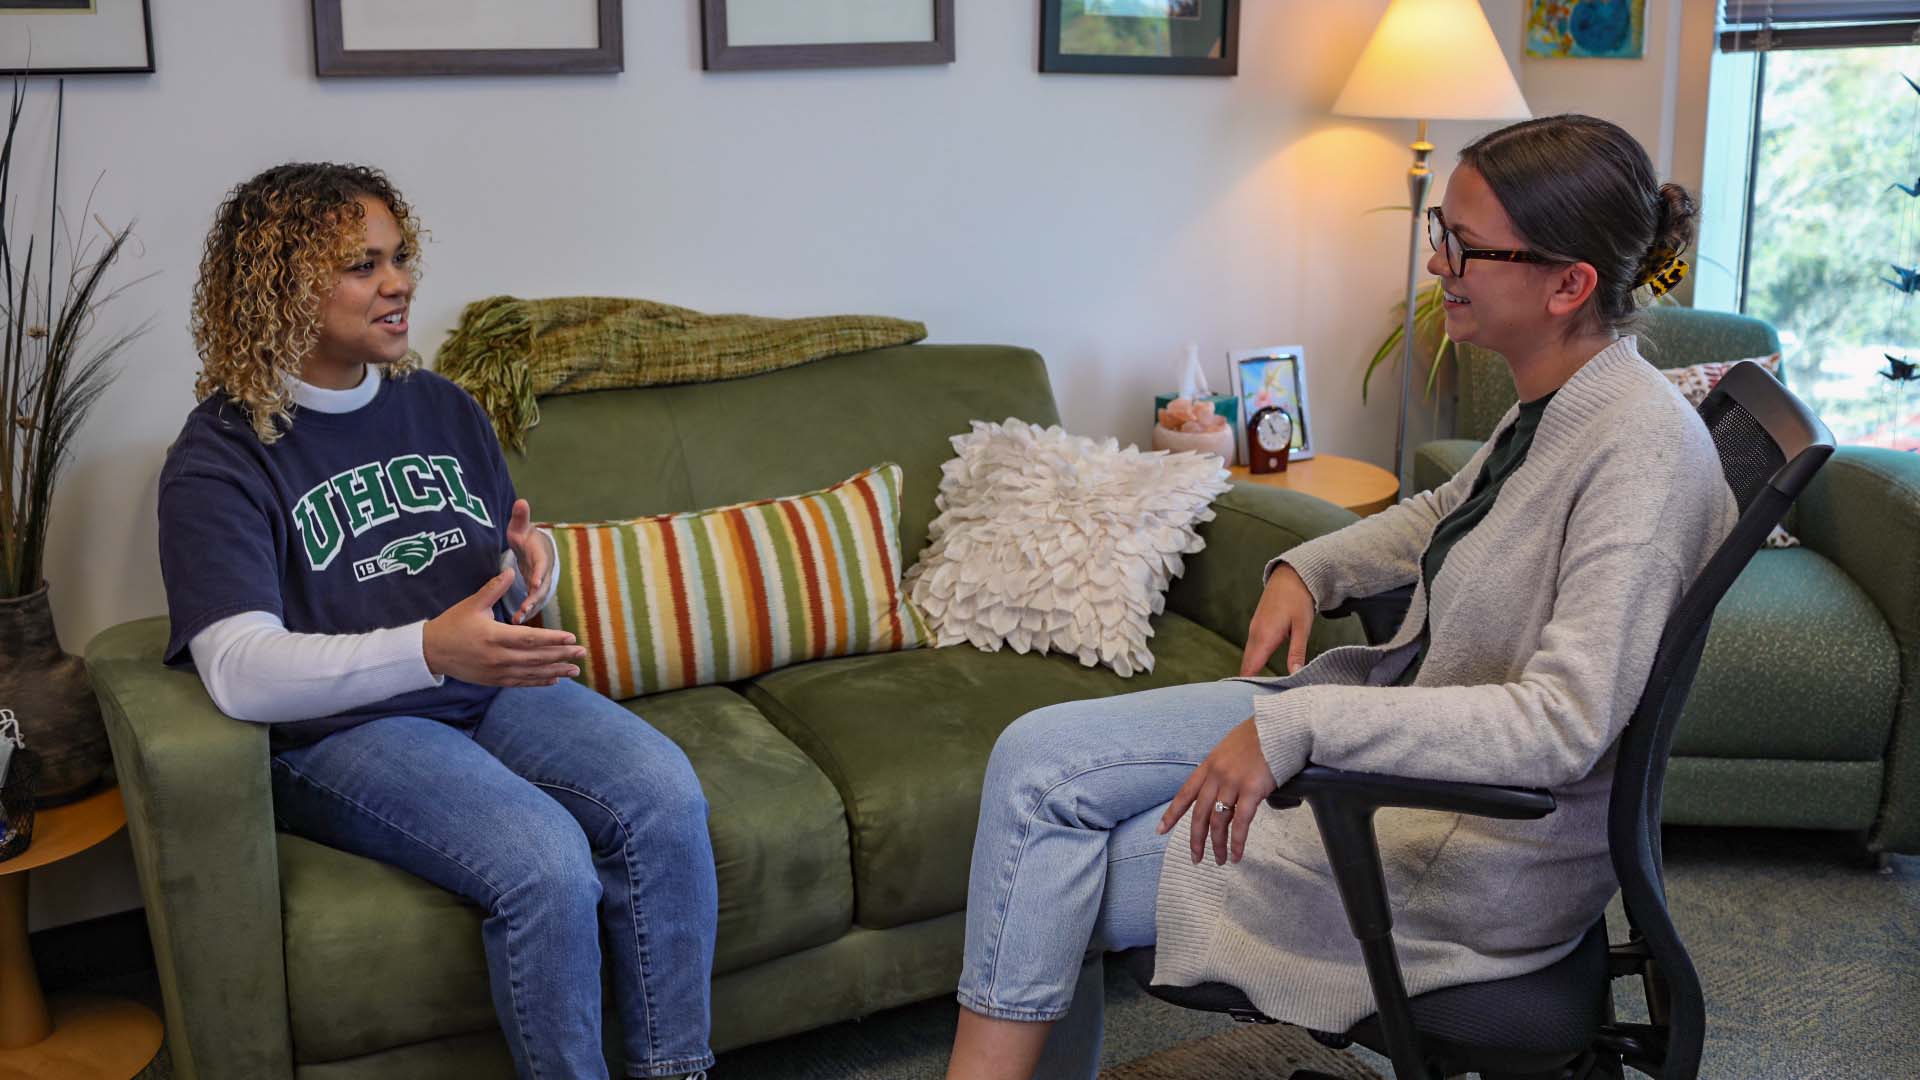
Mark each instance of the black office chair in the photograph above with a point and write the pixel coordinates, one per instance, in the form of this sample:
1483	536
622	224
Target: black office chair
1557	1022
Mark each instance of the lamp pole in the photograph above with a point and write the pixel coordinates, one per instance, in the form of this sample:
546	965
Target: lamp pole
1419	179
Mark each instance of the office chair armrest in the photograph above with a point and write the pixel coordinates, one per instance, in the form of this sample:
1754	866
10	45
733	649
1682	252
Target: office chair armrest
1376	790
1380	614
1343	805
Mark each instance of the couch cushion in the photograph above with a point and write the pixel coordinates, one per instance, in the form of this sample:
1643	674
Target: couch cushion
1799	665
658	449
905	737
377	957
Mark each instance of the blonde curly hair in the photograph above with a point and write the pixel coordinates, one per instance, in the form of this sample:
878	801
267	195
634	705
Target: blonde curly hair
276	249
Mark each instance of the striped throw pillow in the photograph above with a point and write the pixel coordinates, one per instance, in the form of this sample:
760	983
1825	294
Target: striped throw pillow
714	596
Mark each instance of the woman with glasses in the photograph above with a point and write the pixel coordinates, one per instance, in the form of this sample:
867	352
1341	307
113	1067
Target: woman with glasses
1542	574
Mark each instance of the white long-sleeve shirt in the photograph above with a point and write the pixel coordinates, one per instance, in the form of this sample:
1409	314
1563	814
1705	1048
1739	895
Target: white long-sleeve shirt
256	669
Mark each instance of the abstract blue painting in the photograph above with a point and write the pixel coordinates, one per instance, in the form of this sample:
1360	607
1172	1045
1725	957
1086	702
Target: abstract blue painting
1615	29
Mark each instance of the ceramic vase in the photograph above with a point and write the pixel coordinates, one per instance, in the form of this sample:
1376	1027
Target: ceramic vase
50	695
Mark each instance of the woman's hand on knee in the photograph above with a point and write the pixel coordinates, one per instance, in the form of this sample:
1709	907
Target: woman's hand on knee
1225	792
1284	617
467	643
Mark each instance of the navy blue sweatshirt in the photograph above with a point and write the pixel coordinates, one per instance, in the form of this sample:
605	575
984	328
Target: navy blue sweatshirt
350	522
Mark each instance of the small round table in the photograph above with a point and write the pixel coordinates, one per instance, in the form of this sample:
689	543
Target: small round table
1357	485
72	1037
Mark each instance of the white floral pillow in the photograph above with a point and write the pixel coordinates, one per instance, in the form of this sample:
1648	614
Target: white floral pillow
1696	381
1050	541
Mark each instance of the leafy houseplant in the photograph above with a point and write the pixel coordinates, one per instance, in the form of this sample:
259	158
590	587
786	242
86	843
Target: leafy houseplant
53	368
1430	336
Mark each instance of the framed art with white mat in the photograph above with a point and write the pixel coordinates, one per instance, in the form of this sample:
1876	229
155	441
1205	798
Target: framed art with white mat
746	35
76	37
466	37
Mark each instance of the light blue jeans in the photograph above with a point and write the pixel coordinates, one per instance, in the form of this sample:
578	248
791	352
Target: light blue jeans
564	816
1066	862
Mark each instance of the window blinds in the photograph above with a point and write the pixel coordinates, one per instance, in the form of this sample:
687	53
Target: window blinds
1763	25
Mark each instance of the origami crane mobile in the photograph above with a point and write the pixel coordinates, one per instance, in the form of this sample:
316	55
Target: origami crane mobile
1899	370
1914	191
1909	278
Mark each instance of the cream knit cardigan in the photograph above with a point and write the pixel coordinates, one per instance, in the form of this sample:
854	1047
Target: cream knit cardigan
1543	625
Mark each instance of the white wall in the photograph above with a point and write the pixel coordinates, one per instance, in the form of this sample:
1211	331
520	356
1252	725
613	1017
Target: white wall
1103	221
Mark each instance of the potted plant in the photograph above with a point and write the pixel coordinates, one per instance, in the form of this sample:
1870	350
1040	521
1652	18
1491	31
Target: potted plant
1430	335
53	368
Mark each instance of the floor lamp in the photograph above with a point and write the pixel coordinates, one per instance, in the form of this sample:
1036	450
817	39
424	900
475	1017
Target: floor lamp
1428	60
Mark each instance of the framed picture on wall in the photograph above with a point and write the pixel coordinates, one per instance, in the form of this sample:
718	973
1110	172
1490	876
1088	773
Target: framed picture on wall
745	35
1612	29
1275	375
466	37
1140	37
75	37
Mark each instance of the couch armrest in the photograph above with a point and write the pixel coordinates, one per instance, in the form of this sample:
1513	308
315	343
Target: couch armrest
1435	463
1863	512
1252	523
200	815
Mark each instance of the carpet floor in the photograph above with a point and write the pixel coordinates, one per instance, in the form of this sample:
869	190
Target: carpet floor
1810	958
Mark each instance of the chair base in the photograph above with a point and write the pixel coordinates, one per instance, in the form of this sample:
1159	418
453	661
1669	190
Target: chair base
1569	1006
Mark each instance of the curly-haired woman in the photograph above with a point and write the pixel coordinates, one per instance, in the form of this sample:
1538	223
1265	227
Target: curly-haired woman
346	562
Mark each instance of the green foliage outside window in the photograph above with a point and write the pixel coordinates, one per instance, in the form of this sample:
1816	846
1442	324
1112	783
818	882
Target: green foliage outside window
1837	126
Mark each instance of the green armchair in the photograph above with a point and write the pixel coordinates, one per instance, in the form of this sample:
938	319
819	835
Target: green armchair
843	792
1806	711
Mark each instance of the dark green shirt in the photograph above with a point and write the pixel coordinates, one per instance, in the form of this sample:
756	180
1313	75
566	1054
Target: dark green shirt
1509	451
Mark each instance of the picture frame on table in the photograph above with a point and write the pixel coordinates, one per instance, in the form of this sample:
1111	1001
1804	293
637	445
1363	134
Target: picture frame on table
76	37
1140	37
466	37
1273	375
761	35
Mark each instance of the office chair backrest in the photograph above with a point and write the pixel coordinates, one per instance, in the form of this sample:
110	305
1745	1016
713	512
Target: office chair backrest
1770	446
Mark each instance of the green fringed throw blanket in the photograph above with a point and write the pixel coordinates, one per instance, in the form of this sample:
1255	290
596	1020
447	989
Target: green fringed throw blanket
508	352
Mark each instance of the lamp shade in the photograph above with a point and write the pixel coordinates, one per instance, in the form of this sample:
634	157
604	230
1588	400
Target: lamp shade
1433	60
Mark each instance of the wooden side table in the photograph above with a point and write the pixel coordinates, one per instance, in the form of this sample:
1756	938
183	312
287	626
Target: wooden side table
1357	485
71	1037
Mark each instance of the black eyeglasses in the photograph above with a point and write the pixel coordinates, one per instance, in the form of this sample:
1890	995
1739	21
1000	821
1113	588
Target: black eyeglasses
1447	243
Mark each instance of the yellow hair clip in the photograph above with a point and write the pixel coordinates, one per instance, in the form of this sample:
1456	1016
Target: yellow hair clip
1669	274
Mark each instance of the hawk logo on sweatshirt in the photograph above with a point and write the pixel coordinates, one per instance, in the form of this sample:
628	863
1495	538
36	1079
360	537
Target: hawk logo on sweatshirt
364	497
409	554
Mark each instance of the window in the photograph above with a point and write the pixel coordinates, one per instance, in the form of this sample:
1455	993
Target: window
1810	142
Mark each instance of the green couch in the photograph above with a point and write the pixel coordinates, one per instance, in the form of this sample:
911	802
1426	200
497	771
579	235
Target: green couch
1806	711
843	792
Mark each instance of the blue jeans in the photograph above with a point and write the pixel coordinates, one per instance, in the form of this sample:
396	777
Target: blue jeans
567	818
1066	862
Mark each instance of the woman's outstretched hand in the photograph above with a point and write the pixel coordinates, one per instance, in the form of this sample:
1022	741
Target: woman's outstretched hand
1284	617
1235	776
468	643
530	552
